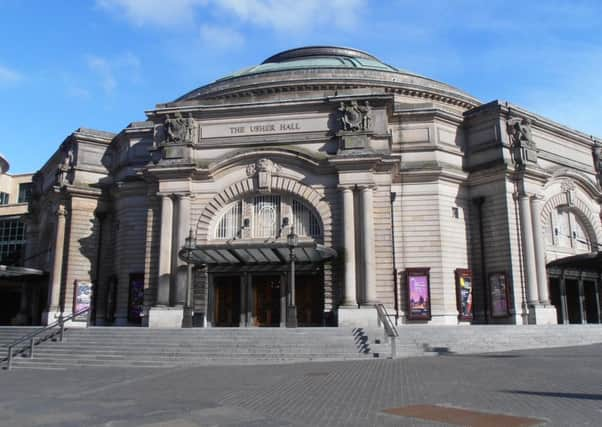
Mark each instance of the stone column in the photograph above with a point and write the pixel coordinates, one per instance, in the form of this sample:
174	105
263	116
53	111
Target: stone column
597	293
369	255
563	301
243	297
582	313
183	228
54	289
350	298
163	291
526	228
539	249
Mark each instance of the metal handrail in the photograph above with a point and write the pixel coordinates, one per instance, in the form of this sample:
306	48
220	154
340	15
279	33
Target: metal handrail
390	330
31	337
385	318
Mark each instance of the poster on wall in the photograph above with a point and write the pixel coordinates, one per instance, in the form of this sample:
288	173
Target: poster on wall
419	294
464	294
82	298
136	299
498	293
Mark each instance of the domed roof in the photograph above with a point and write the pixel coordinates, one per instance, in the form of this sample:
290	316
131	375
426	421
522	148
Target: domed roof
317	57
319	67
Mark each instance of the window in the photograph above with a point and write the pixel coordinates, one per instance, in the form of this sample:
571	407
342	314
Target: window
12	240
267	216
24	192
229	226
567	231
3	198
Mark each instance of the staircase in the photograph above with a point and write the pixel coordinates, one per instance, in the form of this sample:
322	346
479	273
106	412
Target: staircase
8	334
495	338
163	348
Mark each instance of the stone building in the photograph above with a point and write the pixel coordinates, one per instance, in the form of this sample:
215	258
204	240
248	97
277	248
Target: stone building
22	291
400	190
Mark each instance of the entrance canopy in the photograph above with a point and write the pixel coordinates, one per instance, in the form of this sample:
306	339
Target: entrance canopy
254	253
590	262
8	271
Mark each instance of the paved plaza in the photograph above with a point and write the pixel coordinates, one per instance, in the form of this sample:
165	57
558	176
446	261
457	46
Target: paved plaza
560	386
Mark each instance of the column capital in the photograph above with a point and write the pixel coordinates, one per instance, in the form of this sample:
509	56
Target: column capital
61	211
346	187
182	195
366	187
537	198
163	194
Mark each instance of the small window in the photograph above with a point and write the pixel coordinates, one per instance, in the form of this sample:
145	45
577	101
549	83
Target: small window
455	212
3	198
24	192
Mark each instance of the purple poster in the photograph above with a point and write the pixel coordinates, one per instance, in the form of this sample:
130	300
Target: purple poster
82	296
419	296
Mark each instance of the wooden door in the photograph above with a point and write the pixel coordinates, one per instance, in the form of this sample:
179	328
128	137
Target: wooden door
266	300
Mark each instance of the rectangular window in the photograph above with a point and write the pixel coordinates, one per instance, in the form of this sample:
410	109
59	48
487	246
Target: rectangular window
3	198
12	240
24	192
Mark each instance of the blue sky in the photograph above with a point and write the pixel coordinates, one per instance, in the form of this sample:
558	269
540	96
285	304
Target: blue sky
66	64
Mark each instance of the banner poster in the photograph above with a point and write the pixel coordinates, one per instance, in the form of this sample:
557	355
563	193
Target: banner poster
498	291
82	298
419	298
464	293
136	300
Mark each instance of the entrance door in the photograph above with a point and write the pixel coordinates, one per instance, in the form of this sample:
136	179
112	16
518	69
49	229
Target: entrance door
227	300
308	296
266	300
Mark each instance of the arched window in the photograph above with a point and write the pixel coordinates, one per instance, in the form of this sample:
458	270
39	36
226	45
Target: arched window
267	217
230	225
567	231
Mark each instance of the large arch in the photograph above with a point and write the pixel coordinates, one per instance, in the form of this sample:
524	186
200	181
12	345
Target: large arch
279	184
590	220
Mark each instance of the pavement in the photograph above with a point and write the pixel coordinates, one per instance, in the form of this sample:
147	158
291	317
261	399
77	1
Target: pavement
552	387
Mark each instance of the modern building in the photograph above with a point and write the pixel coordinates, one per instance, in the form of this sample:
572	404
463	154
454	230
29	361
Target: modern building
19	287
384	187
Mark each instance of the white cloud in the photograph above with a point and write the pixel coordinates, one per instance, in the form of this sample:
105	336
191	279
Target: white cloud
126	65
104	70
156	12
221	37
280	15
294	15
9	76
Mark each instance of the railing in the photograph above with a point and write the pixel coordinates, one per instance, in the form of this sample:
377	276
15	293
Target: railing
391	333
60	323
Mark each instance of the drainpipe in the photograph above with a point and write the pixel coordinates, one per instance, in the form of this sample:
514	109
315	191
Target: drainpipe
479	202
395	270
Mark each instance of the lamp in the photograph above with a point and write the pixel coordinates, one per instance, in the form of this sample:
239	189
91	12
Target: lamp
292	241
189	245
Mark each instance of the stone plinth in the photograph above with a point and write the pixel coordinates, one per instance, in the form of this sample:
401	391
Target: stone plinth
165	317
542	315
363	317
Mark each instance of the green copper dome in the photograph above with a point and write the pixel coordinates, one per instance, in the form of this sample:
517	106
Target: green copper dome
316	57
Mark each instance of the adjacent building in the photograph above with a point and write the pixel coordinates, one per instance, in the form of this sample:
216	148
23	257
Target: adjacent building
18	288
384	187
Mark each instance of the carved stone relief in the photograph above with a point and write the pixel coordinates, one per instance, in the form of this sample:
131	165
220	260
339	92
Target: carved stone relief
262	170
597	152
521	141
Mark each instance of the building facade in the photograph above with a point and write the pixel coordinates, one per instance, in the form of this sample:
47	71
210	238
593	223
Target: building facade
22	292
399	190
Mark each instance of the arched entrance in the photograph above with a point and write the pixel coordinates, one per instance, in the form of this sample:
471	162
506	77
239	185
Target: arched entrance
576	288
248	262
